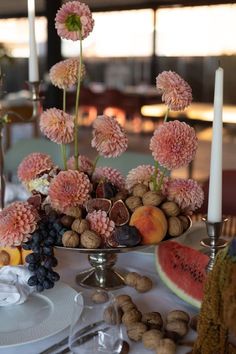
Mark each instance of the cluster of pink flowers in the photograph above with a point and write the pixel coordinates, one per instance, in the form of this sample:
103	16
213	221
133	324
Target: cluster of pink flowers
176	92
100	223
85	164
64	74
174	144
109	174
33	165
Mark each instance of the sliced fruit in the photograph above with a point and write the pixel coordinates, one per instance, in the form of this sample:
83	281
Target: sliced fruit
182	269
10	256
98	204
151	223
119	213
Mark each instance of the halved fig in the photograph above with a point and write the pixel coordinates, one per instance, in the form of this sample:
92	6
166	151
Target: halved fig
119	213
98	204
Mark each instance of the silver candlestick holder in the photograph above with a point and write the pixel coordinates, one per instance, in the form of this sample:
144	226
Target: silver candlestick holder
214	242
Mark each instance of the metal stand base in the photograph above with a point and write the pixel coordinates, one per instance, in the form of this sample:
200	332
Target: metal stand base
101	275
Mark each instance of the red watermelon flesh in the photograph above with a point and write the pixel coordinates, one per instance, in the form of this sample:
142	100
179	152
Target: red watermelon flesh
182	269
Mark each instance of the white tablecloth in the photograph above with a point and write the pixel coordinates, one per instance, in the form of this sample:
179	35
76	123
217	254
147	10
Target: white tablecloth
158	299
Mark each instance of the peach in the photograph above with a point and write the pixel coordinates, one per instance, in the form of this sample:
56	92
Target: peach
10	256
151	223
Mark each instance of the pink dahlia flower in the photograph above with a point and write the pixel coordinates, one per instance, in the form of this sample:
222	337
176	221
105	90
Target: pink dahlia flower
109	137
74	19
100	223
57	125
65	73
176	92
174	144
188	194
33	166
85	164
69	189
109	174
17	222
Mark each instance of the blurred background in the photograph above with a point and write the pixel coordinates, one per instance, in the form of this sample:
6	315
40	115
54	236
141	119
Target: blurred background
132	42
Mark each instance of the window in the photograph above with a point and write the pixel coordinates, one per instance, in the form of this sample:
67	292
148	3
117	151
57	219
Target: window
196	31
116	34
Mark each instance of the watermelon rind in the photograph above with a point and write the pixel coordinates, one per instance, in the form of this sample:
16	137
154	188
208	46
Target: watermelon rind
173	287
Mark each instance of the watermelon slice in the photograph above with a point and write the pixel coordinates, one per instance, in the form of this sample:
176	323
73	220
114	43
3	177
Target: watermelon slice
182	269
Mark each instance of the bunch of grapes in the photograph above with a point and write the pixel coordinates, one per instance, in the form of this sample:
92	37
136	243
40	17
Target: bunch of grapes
42	260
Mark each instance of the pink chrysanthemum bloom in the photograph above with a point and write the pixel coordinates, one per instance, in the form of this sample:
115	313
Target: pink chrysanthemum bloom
100	223
188	194
17	222
174	144
85	164
69	189
109	174
65	73
109	137
57	125
176	92
74	19
33	166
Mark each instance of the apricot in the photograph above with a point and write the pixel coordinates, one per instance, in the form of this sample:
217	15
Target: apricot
10	256
151	223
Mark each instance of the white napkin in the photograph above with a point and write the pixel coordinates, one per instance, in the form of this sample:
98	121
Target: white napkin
14	289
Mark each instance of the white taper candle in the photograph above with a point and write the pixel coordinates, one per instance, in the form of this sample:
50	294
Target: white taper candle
33	59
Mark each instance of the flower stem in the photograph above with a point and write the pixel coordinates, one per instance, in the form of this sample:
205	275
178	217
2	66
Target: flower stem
95	162
161	180
166	115
154	176
63	147
76	148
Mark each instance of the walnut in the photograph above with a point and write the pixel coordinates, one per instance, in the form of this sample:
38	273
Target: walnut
80	225
4	258
112	315
178	315
76	212
176	329
185	221
136	330
152	338
175	226
67	221
89	239
132	278
99	297
166	346
170	208
70	239
139	190
127	306
143	284
133	203
120	299
153	320
193	322
152	198
131	316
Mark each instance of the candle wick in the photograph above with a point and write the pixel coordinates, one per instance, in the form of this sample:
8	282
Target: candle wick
219	63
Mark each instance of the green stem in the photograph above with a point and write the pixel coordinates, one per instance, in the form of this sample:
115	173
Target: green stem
154	176
76	148
63	146
161	180
95	163
166	115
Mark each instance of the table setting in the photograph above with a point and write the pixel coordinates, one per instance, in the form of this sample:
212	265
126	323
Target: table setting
94	261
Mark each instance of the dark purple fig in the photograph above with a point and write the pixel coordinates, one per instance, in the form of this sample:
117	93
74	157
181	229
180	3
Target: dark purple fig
98	204
127	235
111	240
35	200
119	213
106	190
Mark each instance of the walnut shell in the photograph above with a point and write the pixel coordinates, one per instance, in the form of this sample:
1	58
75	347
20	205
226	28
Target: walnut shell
136	330
185	221
112	315
178	315
151	339
122	298
133	203
131	316
80	225
132	278
153	320
139	190
166	346
170	208
99	297
152	198
175	226
193	322
177	327
67	221
89	239
143	284
127	306
70	239
76	212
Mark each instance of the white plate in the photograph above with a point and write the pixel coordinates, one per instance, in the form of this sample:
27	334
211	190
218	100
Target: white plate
43	315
